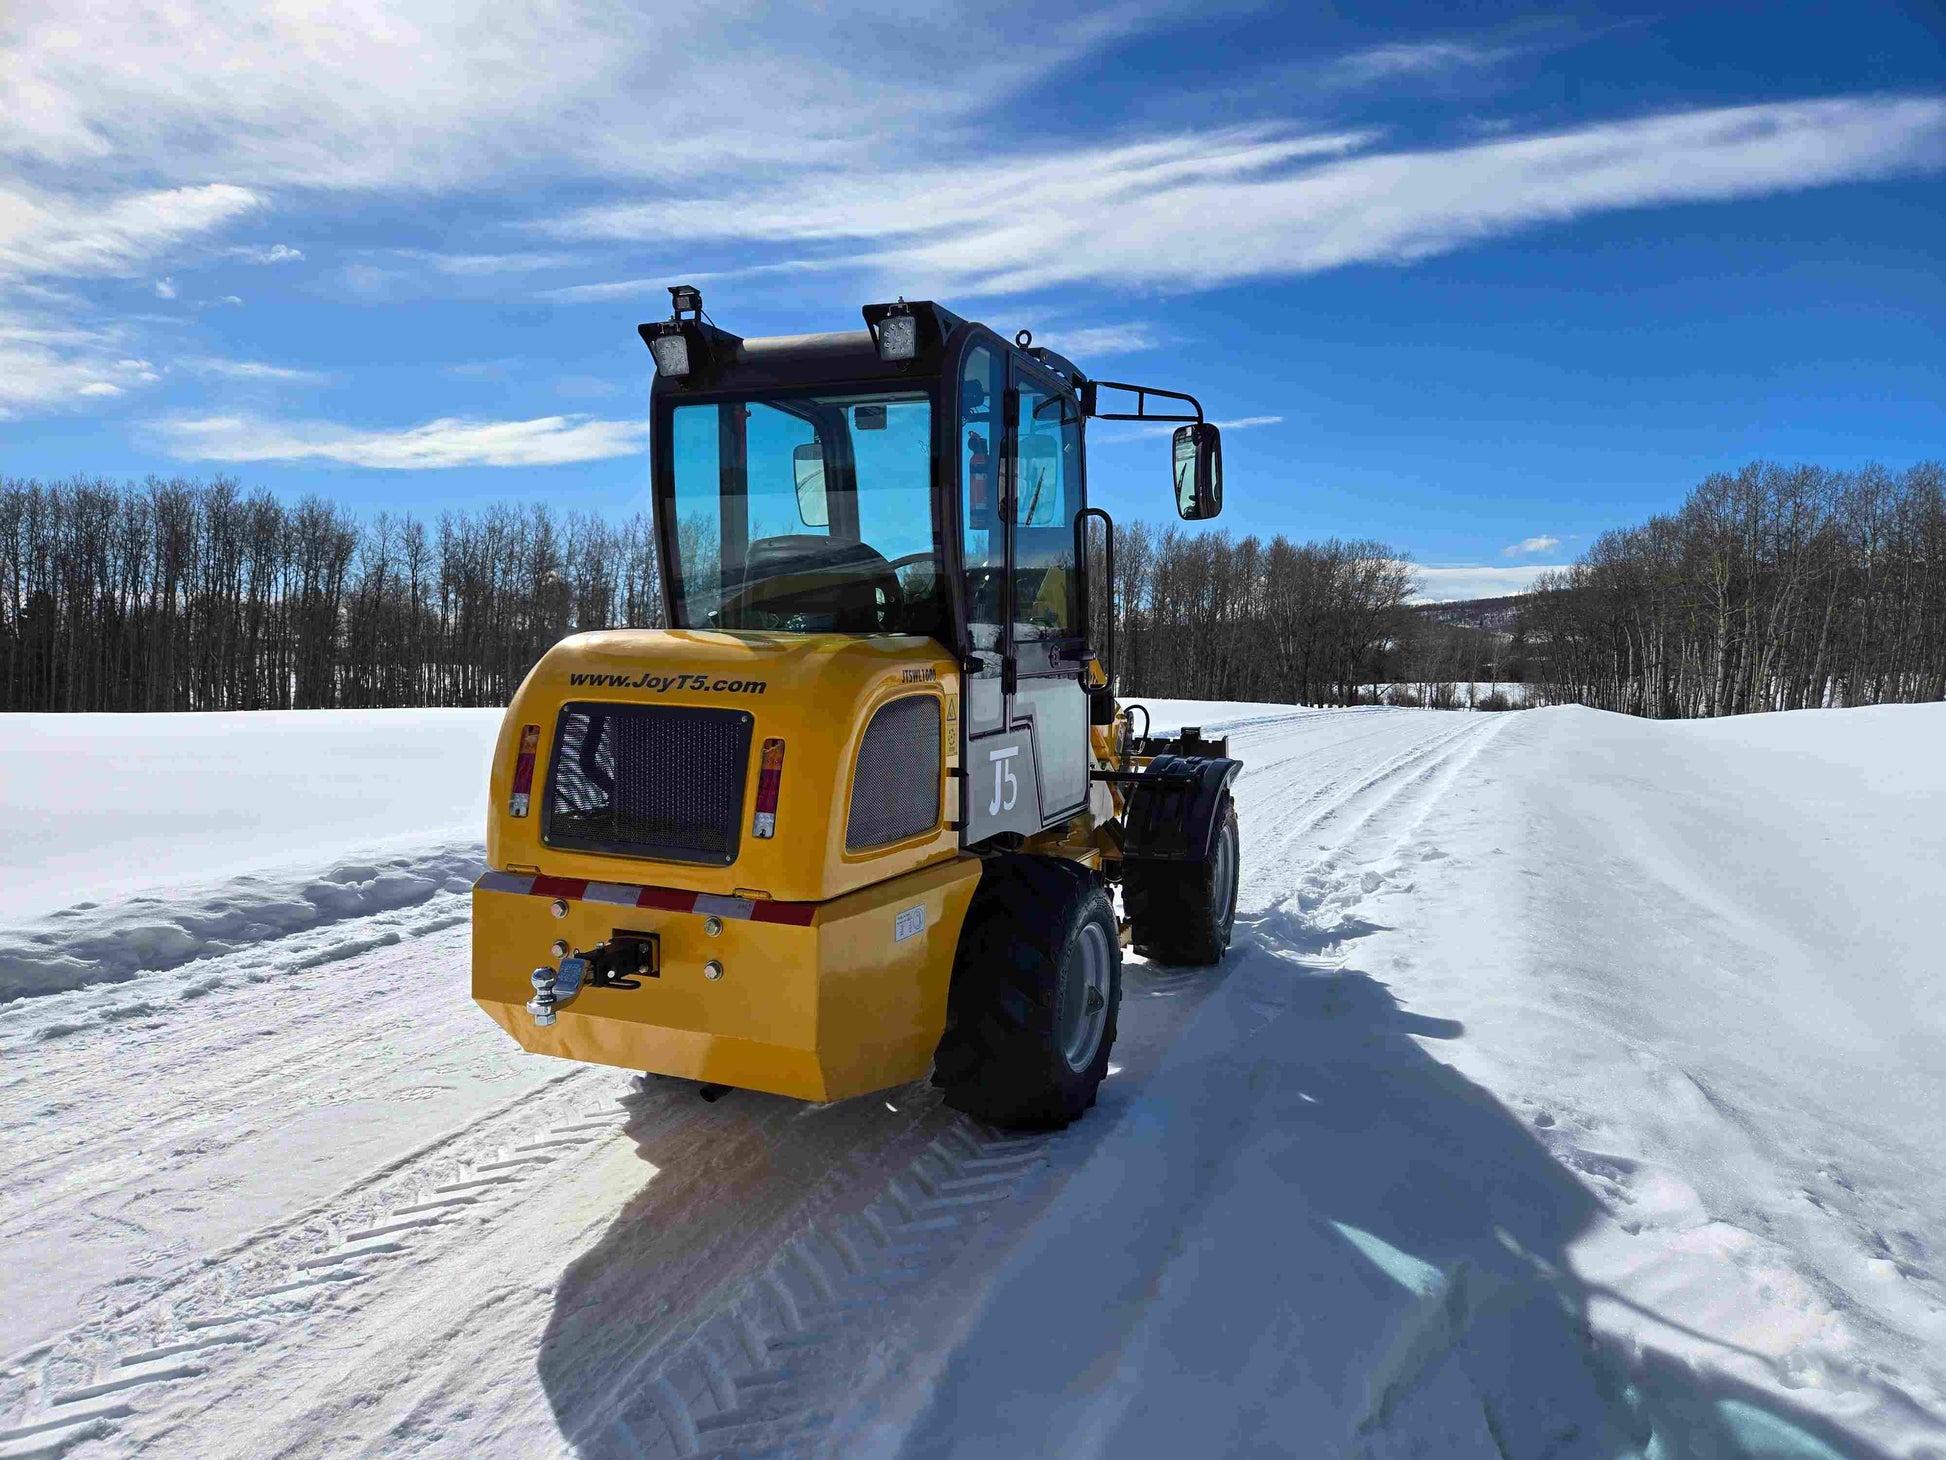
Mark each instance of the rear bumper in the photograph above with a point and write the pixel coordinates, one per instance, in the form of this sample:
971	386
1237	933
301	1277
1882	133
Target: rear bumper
818	1000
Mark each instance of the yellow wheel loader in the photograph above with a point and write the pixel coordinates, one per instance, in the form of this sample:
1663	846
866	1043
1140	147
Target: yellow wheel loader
860	811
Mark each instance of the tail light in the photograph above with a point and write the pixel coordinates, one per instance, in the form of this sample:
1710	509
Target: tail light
769	776
530	742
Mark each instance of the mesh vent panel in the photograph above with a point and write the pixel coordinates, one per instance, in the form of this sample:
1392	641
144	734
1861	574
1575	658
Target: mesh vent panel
896	791
657	781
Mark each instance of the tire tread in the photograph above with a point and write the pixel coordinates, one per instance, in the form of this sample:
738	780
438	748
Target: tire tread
999	1059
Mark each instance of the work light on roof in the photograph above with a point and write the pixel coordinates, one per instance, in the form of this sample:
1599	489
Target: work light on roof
669	341
897	334
671	352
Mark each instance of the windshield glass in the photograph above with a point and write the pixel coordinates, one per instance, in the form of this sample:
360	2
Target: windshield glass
806	513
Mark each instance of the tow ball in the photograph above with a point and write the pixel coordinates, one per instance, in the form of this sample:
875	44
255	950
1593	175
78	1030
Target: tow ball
620	963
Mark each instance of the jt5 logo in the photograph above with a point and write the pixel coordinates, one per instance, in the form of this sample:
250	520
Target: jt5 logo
1006	790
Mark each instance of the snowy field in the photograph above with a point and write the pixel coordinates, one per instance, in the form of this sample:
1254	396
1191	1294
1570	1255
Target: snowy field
1573	1088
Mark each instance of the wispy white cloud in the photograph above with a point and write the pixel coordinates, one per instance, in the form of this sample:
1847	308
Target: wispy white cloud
166	289
1086	342
471	265
249	370
52	367
448	442
425	96
1541	544
1472	580
1412	59
275	253
1140	215
68	236
1013	195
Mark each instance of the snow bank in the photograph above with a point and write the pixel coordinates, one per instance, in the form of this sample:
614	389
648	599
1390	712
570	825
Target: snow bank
141	842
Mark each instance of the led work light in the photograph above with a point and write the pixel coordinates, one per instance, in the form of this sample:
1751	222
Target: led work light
671	351
897	334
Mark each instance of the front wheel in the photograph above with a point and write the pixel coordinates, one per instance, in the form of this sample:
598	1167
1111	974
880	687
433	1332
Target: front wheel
1184	912
1037	987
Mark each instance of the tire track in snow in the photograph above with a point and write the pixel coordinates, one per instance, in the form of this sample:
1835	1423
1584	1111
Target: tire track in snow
133	1133
1332	814
281	1277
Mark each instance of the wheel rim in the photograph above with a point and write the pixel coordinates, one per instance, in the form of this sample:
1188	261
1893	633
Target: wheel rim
1084	1000
1225	881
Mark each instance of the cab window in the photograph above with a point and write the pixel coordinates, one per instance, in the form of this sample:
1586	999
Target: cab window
805	513
1047	490
983	548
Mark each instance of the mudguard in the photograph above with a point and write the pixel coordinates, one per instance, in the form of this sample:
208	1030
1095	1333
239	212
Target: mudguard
1172	805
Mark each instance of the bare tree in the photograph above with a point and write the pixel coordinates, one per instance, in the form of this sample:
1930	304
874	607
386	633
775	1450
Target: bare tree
1773	588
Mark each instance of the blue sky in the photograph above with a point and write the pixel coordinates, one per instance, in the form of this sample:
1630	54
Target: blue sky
1478	281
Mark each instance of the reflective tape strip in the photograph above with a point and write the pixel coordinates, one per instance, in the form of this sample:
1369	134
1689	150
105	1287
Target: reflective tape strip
665	899
662	899
795	914
504	882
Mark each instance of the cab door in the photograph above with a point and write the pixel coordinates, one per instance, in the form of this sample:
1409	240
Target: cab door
1025	714
998	793
1045	629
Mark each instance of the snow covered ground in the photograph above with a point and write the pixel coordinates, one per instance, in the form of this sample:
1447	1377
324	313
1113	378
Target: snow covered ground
1573	1088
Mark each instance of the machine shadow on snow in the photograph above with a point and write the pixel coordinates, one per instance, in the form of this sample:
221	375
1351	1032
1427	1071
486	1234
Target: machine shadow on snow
726	1175
1329	1243
735	1178
1410	1294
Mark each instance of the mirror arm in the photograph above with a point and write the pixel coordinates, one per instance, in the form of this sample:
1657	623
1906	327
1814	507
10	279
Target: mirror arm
1142	394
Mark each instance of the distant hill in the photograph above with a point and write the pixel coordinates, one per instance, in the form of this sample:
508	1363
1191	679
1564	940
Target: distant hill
1496	614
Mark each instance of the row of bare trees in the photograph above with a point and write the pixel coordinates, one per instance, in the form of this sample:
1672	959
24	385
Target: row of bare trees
181	595
1773	588
177	595
1205	615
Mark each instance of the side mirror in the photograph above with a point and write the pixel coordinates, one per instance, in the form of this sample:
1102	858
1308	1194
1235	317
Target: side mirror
1199	472
807	470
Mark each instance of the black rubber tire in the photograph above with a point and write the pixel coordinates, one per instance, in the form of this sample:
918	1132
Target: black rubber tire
1172	906
1001	1058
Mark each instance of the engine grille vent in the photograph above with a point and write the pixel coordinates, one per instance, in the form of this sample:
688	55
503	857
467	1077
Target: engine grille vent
664	782
895	793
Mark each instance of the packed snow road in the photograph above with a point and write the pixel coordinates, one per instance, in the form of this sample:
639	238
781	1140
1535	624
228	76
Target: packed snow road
281	1190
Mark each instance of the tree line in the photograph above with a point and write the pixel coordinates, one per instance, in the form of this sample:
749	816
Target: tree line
1204	615
194	595
184	595
1772	588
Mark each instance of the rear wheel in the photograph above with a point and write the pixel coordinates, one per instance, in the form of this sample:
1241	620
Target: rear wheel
1184	912
1037	985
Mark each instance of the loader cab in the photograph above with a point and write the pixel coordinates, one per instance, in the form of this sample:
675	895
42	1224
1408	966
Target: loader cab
923	476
